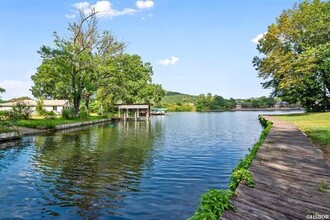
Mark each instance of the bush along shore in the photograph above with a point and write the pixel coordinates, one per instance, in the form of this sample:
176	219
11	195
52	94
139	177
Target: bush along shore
214	202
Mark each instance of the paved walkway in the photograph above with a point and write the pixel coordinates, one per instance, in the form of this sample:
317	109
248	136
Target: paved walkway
288	171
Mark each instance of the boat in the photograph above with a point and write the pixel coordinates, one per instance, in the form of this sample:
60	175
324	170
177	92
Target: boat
158	111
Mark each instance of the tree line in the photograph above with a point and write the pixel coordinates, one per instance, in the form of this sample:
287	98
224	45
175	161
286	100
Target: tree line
211	102
89	66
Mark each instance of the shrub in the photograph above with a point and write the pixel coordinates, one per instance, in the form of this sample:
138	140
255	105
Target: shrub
20	111
49	114
83	113
240	175
68	113
39	109
6	126
213	203
3	115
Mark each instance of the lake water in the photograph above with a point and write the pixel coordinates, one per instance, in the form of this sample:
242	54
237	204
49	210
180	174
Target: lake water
133	170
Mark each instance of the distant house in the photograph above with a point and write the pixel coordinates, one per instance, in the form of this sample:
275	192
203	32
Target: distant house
281	105
238	106
49	105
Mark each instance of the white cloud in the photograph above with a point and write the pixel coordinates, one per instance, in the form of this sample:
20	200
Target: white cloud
16	88
169	61
144	4
104	9
257	38
147	17
82	5
70	16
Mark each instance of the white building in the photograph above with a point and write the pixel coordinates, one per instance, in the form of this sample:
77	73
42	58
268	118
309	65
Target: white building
49	105
238	106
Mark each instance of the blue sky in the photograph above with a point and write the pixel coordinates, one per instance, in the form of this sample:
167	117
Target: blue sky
194	46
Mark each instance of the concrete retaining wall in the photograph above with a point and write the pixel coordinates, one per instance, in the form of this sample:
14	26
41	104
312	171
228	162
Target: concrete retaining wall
15	135
9	136
78	124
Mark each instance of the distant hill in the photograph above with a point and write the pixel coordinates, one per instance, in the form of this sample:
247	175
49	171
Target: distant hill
176	98
19	98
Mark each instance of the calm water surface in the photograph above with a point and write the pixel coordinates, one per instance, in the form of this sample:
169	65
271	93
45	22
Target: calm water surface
136	170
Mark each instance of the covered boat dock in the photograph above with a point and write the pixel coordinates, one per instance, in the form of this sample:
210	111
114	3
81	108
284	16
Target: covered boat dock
136	112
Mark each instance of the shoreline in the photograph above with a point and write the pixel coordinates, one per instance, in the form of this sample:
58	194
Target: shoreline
25	131
250	109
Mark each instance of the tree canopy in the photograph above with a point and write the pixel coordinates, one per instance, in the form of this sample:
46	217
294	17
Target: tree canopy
213	103
295	55
88	64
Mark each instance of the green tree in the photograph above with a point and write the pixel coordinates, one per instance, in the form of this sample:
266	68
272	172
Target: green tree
201	103
130	81
218	102
71	69
295	55
39	107
230	103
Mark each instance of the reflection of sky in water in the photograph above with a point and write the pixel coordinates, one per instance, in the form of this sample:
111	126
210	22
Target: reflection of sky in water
134	170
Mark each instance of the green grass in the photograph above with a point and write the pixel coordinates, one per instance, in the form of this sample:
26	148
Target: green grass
324	186
51	123
6	130
7	126
315	125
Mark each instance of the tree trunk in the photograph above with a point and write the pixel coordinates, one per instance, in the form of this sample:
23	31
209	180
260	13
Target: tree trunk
87	100
76	103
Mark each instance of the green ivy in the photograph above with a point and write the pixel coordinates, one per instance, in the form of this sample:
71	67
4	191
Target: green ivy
214	202
241	175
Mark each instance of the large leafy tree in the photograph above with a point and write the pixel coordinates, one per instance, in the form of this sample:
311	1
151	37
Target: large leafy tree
89	65
71	69
129	81
295	55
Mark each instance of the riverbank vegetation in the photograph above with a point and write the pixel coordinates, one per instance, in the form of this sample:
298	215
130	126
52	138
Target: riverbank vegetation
214	202
315	125
295	53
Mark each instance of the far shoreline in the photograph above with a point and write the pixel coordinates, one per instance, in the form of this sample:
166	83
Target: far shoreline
250	109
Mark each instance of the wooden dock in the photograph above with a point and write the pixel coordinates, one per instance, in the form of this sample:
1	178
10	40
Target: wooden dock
288	172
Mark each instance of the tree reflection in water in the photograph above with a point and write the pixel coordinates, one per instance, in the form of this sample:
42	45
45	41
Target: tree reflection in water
92	169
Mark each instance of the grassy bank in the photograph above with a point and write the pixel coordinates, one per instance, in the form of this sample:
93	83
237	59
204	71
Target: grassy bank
44	123
7	126
214	202
315	125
